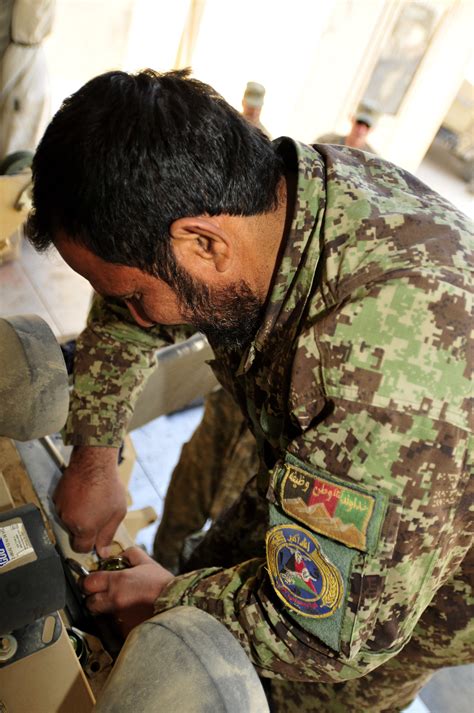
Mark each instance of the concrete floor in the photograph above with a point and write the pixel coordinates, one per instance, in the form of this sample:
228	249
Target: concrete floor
43	284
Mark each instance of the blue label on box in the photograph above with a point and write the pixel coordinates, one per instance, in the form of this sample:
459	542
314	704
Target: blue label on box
4	556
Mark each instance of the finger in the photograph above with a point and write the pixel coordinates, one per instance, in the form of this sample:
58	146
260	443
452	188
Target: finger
96	582
105	552
83	543
99	603
106	535
136	555
75	531
71	525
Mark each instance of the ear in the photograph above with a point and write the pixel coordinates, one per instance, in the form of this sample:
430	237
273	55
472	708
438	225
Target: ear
201	245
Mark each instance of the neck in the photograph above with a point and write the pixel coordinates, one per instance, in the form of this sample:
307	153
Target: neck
259	240
272	233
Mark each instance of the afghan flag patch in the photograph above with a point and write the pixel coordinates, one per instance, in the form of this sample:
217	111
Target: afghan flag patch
337	511
302	576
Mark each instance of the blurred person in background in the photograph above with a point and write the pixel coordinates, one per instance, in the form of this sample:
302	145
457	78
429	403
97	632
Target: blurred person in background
362	125
24	87
252	103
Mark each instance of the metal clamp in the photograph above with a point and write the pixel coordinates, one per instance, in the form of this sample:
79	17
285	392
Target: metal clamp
111	564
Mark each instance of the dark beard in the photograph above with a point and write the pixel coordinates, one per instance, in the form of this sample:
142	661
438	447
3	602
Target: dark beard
228	317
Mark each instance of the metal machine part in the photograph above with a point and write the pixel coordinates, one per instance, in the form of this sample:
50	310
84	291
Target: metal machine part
31	575
111	564
33	379
77	567
33	639
204	669
182	376
15	202
54	452
49	678
30	639
8	647
79	644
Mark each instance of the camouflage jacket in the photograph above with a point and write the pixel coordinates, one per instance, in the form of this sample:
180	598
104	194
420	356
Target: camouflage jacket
358	390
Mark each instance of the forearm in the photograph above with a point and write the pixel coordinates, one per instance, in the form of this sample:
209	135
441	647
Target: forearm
90	498
239	594
108	378
242	600
113	361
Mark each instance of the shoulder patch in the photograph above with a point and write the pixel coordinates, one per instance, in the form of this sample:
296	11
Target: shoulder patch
331	509
302	576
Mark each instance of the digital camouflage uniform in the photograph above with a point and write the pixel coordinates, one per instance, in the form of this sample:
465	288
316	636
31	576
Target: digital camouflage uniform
357	388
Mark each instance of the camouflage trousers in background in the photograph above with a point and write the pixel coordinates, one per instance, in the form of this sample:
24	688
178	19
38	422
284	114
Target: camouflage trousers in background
212	471
444	636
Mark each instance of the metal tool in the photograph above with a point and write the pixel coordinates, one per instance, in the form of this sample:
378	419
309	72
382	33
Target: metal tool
50	447
79	644
77	567
111	564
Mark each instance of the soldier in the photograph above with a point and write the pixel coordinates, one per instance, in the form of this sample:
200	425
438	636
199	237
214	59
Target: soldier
252	104
362	124
24	87
335	291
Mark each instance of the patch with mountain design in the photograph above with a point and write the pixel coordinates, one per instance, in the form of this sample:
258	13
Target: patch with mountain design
336	511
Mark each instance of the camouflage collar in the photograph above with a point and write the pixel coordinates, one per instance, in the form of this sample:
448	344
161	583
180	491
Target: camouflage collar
295	275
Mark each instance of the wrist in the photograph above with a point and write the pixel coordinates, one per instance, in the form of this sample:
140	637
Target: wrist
94	461
94	454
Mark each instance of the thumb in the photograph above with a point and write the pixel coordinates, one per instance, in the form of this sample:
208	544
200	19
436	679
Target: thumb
136	555
96	582
105	538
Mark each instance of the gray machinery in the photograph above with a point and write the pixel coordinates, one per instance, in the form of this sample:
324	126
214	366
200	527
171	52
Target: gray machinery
182	658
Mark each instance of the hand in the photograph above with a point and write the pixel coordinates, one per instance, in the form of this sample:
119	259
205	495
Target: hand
90	499
129	594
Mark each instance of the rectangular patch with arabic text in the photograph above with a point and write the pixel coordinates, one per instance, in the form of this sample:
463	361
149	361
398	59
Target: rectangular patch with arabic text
337	511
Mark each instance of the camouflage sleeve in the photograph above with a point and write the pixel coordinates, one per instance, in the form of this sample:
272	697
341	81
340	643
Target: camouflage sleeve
114	357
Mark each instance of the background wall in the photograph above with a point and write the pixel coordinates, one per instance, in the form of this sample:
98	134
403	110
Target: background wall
314	58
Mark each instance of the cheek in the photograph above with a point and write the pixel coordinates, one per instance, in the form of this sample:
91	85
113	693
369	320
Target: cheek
162	309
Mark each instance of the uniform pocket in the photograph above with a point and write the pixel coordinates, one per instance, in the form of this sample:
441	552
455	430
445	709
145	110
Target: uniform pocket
331	537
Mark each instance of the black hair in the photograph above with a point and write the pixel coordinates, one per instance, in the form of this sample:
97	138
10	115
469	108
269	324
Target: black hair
128	154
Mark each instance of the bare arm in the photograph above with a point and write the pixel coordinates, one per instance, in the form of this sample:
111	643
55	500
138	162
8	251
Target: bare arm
90	498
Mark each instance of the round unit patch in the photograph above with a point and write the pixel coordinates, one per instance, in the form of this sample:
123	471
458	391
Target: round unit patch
301	574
